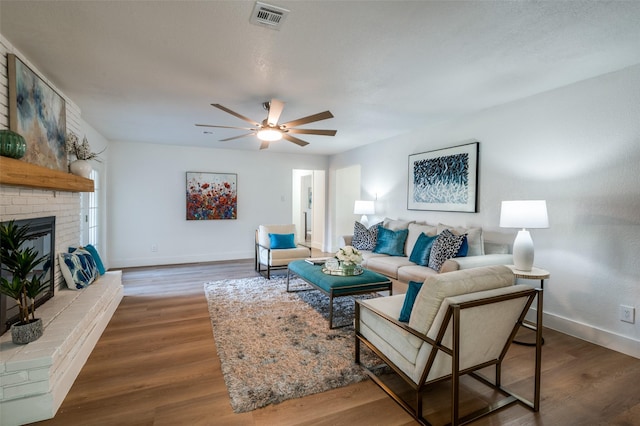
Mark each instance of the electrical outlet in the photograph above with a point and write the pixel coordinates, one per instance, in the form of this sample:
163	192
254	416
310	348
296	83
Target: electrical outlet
154	248
628	314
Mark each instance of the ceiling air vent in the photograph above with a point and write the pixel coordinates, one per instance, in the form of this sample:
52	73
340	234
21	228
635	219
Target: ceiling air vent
268	15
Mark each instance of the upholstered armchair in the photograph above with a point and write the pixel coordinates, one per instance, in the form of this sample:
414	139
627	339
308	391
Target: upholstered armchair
459	323
276	247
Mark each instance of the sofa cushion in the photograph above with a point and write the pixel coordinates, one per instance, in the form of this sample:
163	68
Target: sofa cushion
388	265
422	250
474	237
390	242
363	238
281	241
445	247
437	287
396	225
409	300
415	230
414	273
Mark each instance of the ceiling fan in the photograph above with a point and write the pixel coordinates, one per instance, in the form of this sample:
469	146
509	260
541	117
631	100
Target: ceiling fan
270	130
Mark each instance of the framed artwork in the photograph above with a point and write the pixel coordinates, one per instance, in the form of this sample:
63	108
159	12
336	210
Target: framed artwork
444	180
38	113
212	196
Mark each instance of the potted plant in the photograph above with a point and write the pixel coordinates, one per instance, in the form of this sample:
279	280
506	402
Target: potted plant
23	284
82	152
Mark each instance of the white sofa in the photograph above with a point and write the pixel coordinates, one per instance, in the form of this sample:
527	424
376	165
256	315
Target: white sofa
401	269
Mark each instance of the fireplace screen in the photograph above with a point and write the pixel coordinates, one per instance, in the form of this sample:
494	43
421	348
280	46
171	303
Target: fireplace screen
42	239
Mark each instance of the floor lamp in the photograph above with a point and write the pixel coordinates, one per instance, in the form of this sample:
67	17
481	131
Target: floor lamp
524	214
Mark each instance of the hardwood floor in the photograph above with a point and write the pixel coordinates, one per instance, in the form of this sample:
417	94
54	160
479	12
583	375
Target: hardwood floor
156	364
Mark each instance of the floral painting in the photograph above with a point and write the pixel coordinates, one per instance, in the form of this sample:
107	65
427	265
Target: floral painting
212	196
38	113
444	179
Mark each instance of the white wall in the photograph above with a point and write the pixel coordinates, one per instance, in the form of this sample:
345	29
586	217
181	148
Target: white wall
578	147
146	201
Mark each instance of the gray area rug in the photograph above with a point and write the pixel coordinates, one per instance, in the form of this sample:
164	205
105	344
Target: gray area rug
275	345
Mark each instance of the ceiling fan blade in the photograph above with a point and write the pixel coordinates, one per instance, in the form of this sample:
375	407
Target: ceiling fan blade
295	140
275	110
240	116
309	119
238	137
313	132
264	145
225	127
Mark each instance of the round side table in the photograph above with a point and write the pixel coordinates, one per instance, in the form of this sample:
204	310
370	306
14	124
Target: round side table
533	274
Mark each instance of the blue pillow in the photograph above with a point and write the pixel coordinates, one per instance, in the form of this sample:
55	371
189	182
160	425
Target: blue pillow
409	300
281	241
422	249
78	269
464	248
96	257
391	242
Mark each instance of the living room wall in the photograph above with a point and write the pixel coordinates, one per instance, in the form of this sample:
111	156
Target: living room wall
146	201
578	147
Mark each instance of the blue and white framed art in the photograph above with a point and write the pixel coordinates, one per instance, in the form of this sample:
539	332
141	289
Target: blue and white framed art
444	179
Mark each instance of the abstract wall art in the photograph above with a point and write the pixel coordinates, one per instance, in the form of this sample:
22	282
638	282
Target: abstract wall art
444	180
212	196
38	113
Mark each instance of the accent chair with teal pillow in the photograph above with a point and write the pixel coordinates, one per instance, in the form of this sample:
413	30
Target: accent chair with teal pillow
422	249
391	242
409	300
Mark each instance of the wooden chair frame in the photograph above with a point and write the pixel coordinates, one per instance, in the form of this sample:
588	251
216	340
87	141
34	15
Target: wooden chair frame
453	315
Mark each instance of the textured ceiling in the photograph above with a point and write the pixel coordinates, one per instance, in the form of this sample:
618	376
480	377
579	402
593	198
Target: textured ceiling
148	71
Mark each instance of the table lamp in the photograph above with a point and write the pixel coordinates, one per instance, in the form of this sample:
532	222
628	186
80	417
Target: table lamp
364	208
524	214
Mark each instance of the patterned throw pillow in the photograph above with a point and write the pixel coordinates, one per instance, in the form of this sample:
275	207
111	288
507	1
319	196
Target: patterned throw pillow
78	269
363	238
445	247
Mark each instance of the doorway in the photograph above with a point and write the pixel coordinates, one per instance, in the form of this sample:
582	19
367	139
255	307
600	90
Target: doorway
309	206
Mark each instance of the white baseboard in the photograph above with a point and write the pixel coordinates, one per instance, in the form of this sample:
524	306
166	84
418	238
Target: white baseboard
607	339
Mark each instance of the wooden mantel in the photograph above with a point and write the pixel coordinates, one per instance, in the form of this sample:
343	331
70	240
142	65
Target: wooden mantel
20	173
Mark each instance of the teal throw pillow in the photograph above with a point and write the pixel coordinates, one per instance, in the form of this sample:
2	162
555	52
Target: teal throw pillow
422	249
409	300
96	257
391	242
282	241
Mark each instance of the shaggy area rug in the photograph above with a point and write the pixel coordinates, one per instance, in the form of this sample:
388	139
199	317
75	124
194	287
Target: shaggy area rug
275	345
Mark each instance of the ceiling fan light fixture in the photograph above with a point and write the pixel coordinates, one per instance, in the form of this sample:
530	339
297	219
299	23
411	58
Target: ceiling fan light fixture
269	135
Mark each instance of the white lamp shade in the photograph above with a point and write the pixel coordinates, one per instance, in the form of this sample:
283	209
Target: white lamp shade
364	207
524	214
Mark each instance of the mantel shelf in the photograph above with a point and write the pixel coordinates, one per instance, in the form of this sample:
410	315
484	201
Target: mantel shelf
20	173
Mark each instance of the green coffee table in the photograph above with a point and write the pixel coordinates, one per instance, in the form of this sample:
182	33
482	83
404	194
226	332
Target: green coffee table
334	285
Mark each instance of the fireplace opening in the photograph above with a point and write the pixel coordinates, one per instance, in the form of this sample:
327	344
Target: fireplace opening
42	239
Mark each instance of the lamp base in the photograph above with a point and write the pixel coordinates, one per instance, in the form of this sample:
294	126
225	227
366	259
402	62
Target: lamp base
365	221
523	251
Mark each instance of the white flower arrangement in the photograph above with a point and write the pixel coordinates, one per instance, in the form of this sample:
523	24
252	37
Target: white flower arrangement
82	151
349	254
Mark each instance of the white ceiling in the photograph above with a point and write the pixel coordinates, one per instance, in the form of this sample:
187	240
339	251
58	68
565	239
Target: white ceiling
148	71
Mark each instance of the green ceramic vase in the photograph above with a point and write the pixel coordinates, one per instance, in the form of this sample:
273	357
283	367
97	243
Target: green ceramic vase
12	144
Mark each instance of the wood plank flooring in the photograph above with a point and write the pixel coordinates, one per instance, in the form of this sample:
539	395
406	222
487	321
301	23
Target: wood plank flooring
156	364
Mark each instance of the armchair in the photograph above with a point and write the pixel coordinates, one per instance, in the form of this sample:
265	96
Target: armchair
275	247
461	322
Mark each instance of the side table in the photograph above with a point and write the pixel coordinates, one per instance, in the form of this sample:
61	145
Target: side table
533	274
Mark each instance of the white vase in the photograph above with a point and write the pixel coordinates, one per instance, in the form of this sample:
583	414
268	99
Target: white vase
81	168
